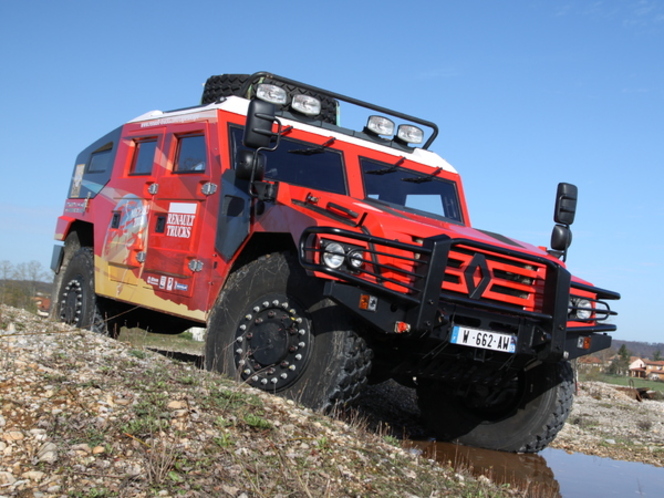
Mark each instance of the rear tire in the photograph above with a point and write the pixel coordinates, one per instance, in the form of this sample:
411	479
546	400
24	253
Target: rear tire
77	304
524	418
271	328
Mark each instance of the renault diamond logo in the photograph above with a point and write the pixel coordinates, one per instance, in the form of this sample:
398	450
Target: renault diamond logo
478	276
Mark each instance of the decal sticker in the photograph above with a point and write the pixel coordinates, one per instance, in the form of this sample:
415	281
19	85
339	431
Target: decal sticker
169	284
181	217
162	283
77	181
126	234
153	281
75	206
181	287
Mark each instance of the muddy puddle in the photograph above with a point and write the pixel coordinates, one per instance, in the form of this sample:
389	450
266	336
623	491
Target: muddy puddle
551	473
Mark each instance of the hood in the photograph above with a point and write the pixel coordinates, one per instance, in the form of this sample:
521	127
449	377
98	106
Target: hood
407	226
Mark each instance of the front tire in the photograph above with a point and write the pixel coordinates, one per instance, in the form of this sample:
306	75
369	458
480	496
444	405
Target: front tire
272	329
77	304
524	417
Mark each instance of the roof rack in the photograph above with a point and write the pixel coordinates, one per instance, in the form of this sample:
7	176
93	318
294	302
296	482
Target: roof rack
256	78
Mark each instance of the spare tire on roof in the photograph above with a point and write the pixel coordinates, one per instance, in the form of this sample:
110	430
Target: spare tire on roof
225	85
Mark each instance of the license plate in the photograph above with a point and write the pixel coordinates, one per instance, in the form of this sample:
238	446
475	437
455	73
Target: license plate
483	339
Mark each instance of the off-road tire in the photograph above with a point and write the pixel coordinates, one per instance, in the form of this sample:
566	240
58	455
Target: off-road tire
272	329
526	423
225	85
76	302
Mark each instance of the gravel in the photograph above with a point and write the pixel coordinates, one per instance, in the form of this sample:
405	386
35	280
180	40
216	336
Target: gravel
84	415
608	422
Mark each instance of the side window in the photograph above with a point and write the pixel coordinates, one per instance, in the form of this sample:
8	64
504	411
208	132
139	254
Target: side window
191	155
100	161
143	157
302	163
94	166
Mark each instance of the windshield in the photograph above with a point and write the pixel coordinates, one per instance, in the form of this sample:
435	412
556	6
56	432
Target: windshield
406	189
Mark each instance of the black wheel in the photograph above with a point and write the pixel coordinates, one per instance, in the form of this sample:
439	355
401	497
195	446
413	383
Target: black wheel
271	328
77	304
523	417
225	85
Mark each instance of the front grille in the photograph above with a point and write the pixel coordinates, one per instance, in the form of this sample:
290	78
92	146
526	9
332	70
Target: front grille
495	277
472	272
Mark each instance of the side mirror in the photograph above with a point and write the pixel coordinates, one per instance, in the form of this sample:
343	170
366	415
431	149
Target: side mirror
565	204
561	238
258	130
246	161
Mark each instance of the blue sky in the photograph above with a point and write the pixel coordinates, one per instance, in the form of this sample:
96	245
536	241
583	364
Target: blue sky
526	94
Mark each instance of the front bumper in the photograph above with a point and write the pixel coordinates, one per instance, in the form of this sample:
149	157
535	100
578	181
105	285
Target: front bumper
426	289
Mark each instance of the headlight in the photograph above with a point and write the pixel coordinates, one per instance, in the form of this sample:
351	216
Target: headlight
338	254
356	258
580	308
333	255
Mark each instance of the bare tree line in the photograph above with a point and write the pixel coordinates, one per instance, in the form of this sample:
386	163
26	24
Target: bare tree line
19	283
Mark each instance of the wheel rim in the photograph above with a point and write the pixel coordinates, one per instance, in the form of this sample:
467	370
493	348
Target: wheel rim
272	343
71	303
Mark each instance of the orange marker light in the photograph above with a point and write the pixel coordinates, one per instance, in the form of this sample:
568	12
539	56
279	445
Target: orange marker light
401	327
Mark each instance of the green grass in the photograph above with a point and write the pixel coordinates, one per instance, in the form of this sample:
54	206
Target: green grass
165	342
621	380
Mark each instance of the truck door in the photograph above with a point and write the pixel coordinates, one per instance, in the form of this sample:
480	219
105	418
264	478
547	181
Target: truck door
178	253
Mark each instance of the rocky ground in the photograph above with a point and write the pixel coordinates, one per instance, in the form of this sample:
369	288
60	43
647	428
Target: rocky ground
85	416
609	422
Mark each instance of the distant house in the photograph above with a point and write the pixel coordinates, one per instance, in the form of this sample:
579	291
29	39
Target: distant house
646	369
654	370
637	367
590	363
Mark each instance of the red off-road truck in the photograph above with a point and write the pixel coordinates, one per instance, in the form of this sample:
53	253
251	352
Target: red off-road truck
321	256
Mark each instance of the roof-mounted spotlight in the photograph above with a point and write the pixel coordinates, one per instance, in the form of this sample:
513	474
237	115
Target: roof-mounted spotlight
409	134
272	93
380	125
306	104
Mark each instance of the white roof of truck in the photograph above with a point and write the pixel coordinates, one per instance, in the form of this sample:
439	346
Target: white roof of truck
239	105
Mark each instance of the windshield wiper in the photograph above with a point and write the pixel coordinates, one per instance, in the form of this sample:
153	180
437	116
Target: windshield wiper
423	179
385	171
318	149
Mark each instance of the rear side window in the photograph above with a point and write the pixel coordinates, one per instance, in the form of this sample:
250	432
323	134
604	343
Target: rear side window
94	166
143	161
302	163
191	154
101	161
